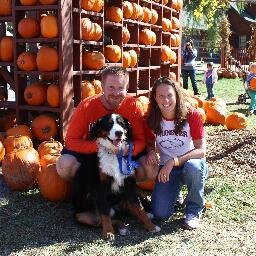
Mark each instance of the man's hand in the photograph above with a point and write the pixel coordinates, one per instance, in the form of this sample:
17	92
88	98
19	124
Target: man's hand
164	173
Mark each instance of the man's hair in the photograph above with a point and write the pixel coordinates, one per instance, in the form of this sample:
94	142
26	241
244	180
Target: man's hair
114	70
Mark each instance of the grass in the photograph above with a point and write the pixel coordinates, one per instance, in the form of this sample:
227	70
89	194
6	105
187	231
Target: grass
31	225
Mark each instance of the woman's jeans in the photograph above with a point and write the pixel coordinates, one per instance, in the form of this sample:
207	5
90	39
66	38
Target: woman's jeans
192	74
193	174
252	95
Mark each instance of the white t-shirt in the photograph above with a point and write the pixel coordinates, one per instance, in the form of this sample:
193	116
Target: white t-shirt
171	145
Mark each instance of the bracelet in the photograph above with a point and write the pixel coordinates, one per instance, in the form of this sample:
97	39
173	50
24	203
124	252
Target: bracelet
176	161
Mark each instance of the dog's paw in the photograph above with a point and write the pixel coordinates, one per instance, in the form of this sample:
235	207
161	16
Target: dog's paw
109	236
156	229
124	231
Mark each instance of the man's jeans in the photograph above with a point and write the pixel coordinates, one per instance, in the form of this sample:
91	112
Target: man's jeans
193	174
192	74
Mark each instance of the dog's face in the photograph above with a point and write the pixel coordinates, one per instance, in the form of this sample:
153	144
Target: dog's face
112	126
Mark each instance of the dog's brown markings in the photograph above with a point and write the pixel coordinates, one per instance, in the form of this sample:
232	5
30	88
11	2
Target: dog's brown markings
103	176
88	218
107	228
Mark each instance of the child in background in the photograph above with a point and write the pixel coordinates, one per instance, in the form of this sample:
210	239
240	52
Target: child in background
251	90
209	79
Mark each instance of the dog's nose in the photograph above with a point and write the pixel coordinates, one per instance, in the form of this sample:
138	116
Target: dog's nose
119	134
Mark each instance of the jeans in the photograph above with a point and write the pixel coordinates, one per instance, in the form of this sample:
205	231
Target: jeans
192	174
210	91
252	95
192	74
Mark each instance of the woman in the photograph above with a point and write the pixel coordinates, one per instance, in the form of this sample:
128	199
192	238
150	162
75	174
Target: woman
180	140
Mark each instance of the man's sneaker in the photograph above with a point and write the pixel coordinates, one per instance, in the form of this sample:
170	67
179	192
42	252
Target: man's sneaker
192	221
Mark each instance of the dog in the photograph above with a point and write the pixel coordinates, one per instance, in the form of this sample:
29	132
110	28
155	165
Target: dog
105	179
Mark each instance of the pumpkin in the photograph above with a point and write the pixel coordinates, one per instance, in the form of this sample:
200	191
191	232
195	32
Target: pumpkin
49	26
153	38
173	76
147	185
28	27
200	100
147	15
12	143
2	151
28	2
202	114
50	146
134	58
20	129
97	32
173	57
175	23
87	4
47	2
97	86
216	115
166	25
154	17
20	169
179	5
127	9
87	29
135	11
51	185
6	48
236	121
53	95
125	35
27	61
47	59
87	89
93	60
253	83
165	2
145	36
165	53
49	159
126	59
174	4
35	94
98	5
145	102
140	13
112	53
7	119
44	127
173	40
5	7
114	14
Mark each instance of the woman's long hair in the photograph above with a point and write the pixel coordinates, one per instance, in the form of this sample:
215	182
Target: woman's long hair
154	115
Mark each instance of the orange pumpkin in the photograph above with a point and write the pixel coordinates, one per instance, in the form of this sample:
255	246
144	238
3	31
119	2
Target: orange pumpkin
135	11
12	143
147	185
114	14
145	102
140	13
44	127
166	25
236	121
154	17
179	5
20	129
134	58
200	100
97	32
145	36
5	7
175	23
173	76
51	185
174	4
97	86
93	60
6	48
50	146
165	53
165	2
126	59
125	35
28	2
49	159
2	151
87	89
49	26
112	53
27	61
53	95
216	115
147	15
127	9
47	2
202	114
87	29
173	57
20	169
253	83
87	4
28	27
35	94
47	59
98	5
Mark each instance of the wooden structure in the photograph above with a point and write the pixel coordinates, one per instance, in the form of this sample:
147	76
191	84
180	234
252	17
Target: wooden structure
69	44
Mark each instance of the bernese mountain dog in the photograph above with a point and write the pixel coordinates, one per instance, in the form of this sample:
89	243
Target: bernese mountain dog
106	178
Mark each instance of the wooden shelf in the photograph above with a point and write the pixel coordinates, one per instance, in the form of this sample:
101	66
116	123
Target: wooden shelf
36	72
8	104
5	64
36	7
39	108
37	40
6	19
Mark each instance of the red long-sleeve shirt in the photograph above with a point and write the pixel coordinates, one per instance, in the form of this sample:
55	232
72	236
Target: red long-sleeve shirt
90	110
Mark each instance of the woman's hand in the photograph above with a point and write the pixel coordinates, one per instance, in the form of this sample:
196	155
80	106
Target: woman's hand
152	158
164	173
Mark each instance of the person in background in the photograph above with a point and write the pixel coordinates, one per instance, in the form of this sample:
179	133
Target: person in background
210	78
251	90
179	137
188	69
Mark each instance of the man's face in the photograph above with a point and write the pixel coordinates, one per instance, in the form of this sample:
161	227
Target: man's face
114	90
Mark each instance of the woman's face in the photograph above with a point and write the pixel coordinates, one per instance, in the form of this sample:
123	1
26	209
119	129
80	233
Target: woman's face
166	100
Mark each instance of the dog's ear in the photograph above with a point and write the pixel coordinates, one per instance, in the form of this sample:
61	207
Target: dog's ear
129	129
95	130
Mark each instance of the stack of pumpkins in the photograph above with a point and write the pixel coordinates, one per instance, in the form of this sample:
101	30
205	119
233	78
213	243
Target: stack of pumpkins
24	168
